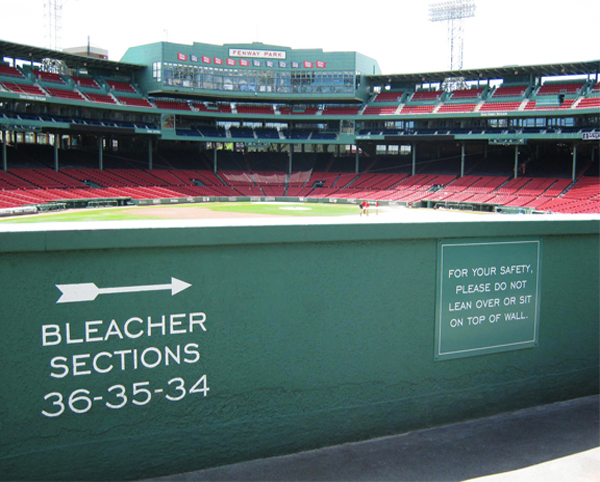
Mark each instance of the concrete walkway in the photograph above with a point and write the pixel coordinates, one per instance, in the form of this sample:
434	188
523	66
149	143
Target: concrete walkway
552	443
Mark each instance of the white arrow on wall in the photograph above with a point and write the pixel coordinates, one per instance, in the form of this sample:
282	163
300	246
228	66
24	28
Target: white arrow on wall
73	293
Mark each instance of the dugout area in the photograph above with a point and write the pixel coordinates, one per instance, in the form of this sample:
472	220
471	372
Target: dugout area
144	350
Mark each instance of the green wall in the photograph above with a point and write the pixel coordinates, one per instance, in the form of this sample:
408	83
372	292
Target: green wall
309	335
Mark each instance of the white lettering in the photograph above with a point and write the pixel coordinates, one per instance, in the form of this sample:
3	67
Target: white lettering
51	331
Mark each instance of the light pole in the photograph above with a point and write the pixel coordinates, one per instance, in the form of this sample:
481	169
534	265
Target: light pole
454	13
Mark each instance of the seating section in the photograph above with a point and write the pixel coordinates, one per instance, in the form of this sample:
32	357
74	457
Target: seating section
134	101
8	71
556	89
375	110
333	110
171	104
499	106
388	97
85	82
255	109
31	186
426	95
456	108
64	93
48	77
118	86
23	88
510	91
105	99
466	94
589	103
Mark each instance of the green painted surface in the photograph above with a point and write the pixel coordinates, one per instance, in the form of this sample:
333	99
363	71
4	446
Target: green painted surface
309	335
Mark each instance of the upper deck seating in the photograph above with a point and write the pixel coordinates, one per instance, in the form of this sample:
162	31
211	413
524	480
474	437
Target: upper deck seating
426	95
119	86
456	108
297	110
105	99
23	88
135	101
49	77
499	106
417	109
467	93
64	93
85	82
388	97
556	89
588	103
380	110
171	104
8	71
510	91
255	109
222	108
340	110
535	105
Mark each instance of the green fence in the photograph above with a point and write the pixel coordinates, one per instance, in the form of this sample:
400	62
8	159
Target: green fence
131	353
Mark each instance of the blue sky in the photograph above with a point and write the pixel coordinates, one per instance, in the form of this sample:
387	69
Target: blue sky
396	33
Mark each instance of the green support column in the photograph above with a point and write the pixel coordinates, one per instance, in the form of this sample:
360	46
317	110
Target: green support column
462	159
101	153
215	159
56	141
150	153
414	158
573	175
516	168
291	154
356	161
4	154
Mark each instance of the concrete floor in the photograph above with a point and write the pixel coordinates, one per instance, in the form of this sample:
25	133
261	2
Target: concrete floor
557	442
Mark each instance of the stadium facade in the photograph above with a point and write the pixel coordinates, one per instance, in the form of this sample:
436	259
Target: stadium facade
211	107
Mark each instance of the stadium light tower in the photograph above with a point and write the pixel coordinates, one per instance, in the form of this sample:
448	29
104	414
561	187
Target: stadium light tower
454	12
53	17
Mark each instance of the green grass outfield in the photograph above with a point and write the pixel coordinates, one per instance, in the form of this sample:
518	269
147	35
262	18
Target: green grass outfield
136	212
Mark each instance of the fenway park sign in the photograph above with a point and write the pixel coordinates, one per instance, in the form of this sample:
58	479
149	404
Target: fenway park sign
258	54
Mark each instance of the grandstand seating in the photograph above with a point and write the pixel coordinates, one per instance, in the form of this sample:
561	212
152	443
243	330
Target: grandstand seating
222	108
499	106
334	110
23	88
588	103
48	77
388	97
417	109
322	178
29	186
64	93
456	108
8	71
377	110
85	82
106	99
510	91
560	88
134	101
254	109
119	86
171	104
426	95
467	94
